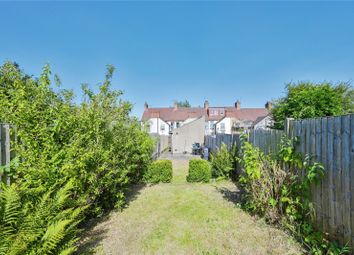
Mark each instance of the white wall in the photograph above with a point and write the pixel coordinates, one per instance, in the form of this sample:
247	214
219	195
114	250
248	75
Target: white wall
227	123
156	126
184	137
188	120
209	130
264	123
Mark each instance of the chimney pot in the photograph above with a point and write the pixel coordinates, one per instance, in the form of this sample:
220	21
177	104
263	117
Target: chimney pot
238	105
206	104
269	105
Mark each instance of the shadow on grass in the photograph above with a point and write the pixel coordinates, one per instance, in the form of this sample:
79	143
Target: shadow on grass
92	236
230	194
132	193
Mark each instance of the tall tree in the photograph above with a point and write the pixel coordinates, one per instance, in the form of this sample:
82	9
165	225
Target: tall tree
309	100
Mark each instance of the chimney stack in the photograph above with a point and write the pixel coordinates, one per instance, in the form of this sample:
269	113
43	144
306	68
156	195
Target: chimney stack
175	105
238	105
206	104
268	105
146	106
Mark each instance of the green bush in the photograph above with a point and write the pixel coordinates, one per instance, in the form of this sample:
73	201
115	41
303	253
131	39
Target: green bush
95	144
199	171
159	171
222	162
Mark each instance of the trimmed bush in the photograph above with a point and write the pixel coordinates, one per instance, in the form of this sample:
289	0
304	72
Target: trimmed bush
199	171
159	171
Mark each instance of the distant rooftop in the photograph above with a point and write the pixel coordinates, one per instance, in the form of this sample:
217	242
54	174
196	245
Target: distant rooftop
176	113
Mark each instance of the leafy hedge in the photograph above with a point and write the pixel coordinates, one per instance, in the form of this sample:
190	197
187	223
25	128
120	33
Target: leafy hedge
159	171
223	162
95	145
199	171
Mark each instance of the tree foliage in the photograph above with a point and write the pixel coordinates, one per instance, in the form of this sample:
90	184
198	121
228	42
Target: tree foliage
309	100
95	145
182	104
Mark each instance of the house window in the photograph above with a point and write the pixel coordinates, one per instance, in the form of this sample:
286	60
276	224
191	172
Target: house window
222	127
177	125
162	127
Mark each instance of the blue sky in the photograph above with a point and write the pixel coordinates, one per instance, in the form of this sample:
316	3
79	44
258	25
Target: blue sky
163	51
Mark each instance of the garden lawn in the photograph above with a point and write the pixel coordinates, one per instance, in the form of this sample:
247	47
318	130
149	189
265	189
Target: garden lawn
185	218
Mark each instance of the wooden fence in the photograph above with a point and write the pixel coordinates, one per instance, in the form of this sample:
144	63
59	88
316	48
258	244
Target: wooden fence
5	152
162	143
214	142
330	141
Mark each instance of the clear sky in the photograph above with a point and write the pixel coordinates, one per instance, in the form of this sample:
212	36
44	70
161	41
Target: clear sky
163	51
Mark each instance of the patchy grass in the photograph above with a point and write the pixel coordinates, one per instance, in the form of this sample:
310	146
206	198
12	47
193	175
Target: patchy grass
182	218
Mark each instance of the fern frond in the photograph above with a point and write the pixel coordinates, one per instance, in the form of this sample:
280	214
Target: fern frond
61	197
52	237
68	251
11	208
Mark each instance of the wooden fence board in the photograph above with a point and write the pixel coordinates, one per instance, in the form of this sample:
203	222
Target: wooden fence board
337	179
351	172
325	181
345	137
331	176
318	189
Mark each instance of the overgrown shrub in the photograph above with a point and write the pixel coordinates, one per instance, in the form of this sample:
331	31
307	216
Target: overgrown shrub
222	162
95	144
159	171
283	196
199	171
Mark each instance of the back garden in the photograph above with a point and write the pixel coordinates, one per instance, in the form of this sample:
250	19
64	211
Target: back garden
88	167
186	218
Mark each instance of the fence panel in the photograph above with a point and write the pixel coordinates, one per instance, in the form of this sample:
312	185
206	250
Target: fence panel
330	141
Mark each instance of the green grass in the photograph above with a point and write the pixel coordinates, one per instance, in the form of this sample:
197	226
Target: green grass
184	218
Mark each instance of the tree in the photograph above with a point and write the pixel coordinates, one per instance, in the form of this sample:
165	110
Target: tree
184	103
310	100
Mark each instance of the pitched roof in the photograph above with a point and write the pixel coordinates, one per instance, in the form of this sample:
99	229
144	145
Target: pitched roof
173	114
251	114
212	113
259	119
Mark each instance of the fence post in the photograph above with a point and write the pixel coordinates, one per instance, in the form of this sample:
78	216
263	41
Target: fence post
288	126
7	150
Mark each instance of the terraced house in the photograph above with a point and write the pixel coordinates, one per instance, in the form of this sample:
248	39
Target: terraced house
179	128
225	119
